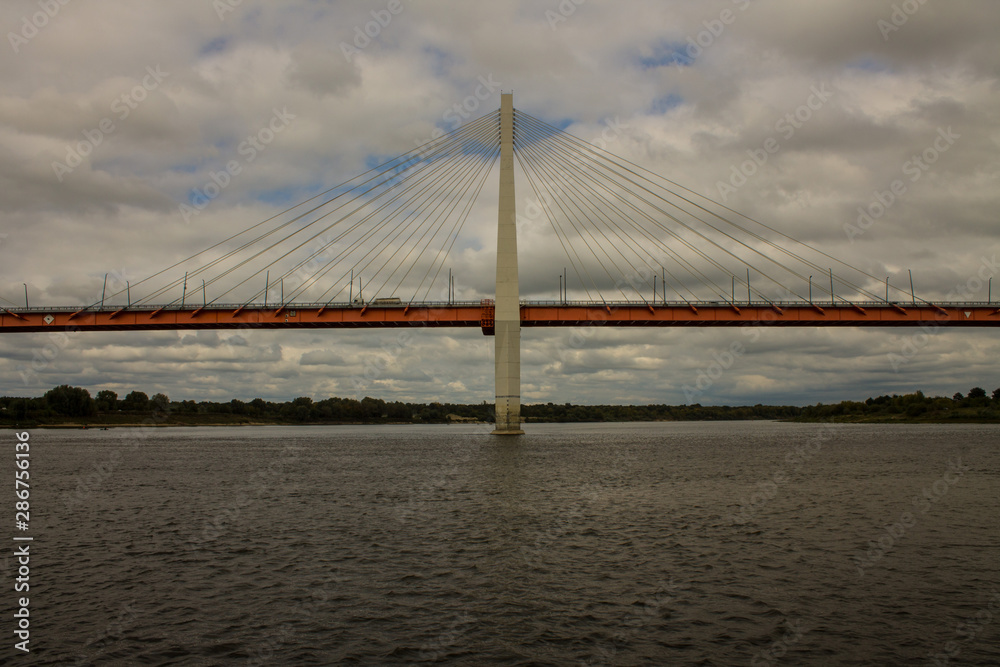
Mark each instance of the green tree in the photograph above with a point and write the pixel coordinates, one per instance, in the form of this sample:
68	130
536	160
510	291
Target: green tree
70	401
398	411
160	402
136	401
977	392
19	409
372	409
107	400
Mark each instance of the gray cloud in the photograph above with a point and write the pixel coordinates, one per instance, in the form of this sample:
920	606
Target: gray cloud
690	119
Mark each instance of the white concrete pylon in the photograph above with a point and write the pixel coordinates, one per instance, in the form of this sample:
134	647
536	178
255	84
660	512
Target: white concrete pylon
508	305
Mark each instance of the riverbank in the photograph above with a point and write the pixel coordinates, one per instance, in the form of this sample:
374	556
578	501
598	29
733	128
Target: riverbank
73	407
952	418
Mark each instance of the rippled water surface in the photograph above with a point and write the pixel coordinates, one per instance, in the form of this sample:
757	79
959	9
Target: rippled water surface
668	544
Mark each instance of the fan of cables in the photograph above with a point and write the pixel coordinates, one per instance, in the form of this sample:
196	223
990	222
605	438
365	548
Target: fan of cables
622	227
393	225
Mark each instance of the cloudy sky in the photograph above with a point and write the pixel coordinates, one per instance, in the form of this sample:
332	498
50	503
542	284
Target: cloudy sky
115	114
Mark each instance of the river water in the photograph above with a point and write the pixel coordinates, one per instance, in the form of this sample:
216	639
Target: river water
739	543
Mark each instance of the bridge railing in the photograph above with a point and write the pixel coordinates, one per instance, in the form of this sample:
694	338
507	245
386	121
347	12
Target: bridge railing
755	302
110	307
476	303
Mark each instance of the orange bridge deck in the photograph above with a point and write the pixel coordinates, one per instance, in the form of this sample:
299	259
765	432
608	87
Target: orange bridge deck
476	314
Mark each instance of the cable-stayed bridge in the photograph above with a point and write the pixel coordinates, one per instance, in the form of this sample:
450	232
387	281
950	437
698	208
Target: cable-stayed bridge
638	248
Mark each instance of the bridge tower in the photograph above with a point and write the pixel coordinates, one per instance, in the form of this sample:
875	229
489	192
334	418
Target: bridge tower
508	300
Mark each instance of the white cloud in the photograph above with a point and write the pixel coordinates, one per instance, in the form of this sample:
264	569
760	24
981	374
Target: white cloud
118	212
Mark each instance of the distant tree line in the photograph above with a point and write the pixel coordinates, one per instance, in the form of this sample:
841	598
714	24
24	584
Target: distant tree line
75	404
977	405
566	412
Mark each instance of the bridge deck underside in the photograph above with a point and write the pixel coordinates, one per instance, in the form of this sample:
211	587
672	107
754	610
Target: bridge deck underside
634	315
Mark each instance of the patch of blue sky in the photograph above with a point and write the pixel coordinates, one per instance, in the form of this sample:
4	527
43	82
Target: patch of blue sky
381	164
227	144
662	105
869	64
665	54
441	62
196	197
217	45
280	196
372	161
466	243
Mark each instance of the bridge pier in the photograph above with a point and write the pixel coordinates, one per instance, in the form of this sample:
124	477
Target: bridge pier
508	306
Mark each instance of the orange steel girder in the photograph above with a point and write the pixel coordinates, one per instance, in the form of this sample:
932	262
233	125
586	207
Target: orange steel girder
730	315
480	315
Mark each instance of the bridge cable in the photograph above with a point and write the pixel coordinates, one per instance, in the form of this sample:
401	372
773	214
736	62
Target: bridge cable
597	179
695	231
408	172
380	170
603	207
604	154
330	265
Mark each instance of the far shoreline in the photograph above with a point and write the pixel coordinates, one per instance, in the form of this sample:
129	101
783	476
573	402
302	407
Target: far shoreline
66	407
96	426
